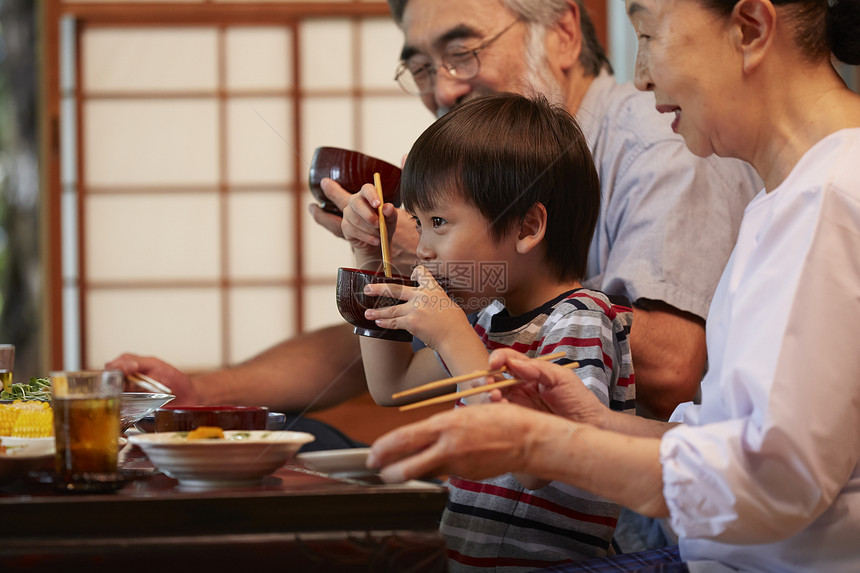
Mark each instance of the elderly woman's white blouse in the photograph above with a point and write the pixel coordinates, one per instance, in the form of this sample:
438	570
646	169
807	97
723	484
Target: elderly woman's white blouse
765	475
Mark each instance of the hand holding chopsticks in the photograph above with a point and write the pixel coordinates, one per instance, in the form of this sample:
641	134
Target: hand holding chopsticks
148	383
383	230
463	377
470	391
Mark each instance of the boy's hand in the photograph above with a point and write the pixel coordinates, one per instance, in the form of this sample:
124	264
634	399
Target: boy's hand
427	312
360	225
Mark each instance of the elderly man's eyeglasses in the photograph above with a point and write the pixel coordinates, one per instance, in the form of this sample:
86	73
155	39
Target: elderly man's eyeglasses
418	78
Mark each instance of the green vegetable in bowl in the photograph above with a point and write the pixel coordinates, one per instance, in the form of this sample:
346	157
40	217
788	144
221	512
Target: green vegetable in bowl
35	389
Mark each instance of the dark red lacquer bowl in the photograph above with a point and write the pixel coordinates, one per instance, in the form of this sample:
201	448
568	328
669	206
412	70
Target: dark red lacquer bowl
186	418
352	170
352	302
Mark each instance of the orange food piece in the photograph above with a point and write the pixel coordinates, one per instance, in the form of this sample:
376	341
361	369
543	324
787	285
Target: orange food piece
206	433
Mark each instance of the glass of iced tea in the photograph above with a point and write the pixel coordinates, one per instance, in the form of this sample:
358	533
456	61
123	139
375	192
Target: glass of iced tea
7	365
86	424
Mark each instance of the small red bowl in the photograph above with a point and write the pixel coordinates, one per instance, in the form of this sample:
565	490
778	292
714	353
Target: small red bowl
352	170
352	302
186	418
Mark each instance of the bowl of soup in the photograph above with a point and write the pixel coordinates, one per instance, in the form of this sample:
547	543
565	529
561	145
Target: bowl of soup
352	302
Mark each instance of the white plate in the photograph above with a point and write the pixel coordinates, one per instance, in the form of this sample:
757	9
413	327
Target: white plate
28	446
17	465
24	455
37	446
338	463
242	458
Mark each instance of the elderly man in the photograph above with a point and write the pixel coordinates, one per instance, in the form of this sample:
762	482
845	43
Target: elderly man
660	203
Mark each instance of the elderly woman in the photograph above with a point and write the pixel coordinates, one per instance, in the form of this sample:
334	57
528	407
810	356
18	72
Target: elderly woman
765	473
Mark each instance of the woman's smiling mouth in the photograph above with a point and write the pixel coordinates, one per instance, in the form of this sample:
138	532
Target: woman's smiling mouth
671	109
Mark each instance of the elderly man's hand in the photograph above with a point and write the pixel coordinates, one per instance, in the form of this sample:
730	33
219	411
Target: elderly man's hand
337	195
180	383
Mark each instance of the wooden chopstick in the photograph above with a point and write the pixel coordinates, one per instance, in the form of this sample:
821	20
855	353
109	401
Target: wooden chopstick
464	377
471	391
148	383
383	229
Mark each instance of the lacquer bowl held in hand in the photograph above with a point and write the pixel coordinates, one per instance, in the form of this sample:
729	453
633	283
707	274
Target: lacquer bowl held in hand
352	302
352	170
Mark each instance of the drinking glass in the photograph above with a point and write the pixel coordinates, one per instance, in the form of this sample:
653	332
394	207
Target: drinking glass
7	365
86	424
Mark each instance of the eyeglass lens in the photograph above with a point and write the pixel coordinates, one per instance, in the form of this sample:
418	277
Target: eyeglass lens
417	78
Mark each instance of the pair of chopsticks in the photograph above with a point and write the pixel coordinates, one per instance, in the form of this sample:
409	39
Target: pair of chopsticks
148	383
470	391
383	230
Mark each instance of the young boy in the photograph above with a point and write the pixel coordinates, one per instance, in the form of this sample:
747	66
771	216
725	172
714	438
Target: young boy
505	197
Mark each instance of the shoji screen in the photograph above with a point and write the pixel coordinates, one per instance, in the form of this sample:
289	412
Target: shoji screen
184	190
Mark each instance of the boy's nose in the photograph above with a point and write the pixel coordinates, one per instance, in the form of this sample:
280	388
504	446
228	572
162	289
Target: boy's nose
424	252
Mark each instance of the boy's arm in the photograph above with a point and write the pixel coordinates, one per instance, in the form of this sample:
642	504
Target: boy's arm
388	365
427	313
431	316
391	367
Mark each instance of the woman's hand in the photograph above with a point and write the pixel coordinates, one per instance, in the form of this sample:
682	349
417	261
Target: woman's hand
476	442
484	441
547	387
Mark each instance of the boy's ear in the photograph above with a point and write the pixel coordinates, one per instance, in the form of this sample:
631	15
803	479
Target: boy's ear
532	229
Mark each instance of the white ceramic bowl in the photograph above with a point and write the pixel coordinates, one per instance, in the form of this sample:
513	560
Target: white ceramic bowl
242	458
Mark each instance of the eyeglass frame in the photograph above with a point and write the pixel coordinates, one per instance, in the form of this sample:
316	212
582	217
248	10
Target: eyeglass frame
431	69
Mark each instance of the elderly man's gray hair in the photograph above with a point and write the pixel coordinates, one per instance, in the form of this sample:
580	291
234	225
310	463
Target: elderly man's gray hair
545	13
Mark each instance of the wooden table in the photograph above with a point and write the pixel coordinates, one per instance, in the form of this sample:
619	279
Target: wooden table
295	520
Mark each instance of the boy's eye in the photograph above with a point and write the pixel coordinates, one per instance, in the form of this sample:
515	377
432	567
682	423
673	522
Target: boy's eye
417	222
437	221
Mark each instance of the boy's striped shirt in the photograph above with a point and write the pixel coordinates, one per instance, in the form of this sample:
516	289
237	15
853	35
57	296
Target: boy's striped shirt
497	523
